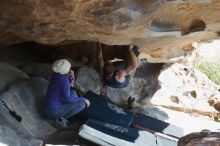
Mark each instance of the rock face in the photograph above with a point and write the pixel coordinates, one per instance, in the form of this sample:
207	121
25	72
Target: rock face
87	79
10	137
25	97
38	70
185	89
9	74
204	138
162	28
143	84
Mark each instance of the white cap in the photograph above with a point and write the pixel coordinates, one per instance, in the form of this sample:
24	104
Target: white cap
61	66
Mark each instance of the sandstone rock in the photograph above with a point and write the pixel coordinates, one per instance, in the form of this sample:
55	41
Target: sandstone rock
192	89
214	102
38	70
211	102
142	86
25	97
121	96
175	99
8	121
112	22
193	26
204	138
190	94
11	138
118	96
217	106
9	74
193	94
87	79
147	93
158	26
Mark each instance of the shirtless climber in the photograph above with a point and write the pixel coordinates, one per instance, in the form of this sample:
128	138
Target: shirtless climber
113	77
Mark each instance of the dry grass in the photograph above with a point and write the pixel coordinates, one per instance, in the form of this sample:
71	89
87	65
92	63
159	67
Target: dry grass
210	68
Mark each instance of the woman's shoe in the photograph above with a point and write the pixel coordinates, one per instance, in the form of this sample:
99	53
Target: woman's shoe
62	123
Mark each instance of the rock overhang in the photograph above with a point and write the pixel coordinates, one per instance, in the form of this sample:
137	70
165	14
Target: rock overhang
162	29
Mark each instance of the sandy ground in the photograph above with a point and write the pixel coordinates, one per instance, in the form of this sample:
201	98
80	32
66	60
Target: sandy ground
190	123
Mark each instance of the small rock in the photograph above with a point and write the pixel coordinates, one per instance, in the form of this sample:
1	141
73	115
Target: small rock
217	106
193	94
175	99
211	102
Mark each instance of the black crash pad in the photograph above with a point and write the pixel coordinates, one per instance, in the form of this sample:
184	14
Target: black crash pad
125	133
104	110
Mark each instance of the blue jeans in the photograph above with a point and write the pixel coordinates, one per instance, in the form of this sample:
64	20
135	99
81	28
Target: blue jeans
67	110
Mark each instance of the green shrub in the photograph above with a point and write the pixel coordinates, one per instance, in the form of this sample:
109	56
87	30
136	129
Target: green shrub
210	68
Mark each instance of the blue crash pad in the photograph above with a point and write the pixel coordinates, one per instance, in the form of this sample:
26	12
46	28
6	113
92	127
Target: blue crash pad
104	110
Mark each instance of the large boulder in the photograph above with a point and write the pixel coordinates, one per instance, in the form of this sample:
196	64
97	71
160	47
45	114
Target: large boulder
142	86
25	98
37	70
87	79
10	137
187	90
9	74
121	96
204	138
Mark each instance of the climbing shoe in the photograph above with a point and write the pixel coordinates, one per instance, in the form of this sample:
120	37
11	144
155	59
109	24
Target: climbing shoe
62	123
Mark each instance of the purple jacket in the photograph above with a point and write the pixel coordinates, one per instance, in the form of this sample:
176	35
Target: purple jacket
58	92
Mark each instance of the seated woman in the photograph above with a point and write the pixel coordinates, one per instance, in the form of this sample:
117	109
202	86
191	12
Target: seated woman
60	103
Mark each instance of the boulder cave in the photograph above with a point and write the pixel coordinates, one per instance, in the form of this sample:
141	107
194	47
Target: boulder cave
171	36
